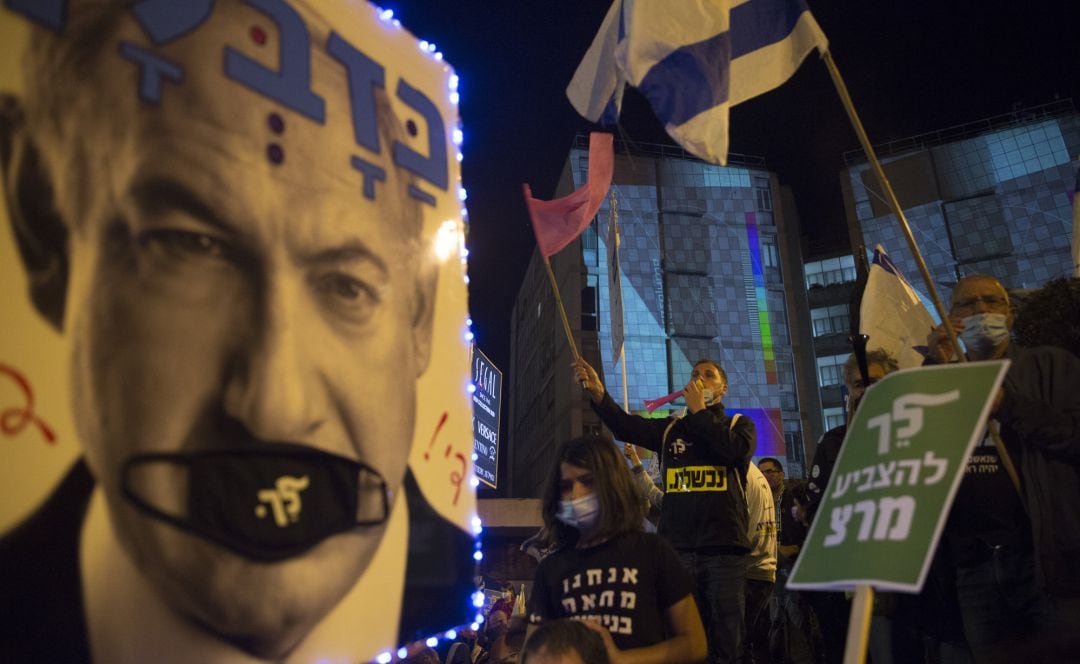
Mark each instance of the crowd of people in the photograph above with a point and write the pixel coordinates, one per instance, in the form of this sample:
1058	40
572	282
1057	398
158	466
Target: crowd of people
710	585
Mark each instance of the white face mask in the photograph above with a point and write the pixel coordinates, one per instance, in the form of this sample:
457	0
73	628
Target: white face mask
581	513
983	332
707	393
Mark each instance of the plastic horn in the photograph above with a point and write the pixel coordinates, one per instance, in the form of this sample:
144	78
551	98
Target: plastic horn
653	404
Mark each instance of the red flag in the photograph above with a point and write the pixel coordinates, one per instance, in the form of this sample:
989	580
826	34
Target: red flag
556	223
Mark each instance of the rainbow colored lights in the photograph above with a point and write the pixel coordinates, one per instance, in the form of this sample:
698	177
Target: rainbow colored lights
764	326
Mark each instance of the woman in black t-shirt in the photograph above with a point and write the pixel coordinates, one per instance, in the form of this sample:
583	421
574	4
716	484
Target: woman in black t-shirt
627	585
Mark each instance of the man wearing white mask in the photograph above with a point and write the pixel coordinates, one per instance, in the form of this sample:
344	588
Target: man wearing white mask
1015	555
704	456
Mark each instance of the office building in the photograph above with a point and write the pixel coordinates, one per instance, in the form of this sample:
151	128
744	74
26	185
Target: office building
704	254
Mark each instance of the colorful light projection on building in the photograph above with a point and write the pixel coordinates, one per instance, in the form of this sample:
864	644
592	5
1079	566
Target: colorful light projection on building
758	299
770	430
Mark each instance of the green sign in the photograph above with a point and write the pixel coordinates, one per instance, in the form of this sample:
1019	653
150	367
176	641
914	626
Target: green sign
894	481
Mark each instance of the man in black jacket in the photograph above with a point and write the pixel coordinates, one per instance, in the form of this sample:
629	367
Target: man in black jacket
704	456
1016	555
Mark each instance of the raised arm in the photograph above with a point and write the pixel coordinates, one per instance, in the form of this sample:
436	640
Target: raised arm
647	433
651	491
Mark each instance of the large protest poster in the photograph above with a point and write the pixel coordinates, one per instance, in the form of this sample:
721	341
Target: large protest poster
898	470
233	333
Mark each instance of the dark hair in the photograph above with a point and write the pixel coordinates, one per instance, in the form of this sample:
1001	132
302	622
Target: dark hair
772	460
620	500
563	636
705	360
878	356
1050	316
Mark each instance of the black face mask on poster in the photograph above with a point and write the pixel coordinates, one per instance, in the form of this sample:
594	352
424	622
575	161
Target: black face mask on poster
266	501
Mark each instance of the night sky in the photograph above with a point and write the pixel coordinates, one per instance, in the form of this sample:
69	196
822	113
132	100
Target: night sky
911	66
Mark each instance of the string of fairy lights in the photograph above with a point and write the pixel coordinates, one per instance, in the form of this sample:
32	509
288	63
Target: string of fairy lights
449	239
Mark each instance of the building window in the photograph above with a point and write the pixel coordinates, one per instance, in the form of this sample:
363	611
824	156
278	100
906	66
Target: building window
590	244
833	417
830	271
830	320
831	370
589	320
769	255
764	199
778	316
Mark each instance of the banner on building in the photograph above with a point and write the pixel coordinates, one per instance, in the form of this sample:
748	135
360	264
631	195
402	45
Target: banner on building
233	409
487	412
899	467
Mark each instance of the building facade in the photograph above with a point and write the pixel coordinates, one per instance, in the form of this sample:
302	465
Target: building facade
830	284
703	255
986	197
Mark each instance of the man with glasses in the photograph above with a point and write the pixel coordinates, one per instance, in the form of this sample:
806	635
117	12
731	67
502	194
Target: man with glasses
1016	553
785	495
791	637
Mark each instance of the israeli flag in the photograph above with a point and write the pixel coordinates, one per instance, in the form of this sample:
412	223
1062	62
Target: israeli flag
693	60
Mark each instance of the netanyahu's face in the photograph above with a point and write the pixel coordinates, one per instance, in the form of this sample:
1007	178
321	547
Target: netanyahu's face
233	288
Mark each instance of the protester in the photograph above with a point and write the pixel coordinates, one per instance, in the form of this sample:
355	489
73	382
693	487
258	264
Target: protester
787	497
565	642
247	331
761	568
831	608
503	636
793	633
506	598
1016	554
878	364
605	569
707	520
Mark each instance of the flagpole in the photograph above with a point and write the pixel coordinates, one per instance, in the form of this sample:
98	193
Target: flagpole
858	636
613	207
562	309
890	196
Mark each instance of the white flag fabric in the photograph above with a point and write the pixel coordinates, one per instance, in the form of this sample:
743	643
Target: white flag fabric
892	313
693	60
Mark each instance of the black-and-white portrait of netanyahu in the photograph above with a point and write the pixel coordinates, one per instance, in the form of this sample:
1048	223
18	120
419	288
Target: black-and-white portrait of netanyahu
234	424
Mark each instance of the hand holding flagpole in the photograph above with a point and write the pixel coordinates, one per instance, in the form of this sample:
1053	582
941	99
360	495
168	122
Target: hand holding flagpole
589	379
